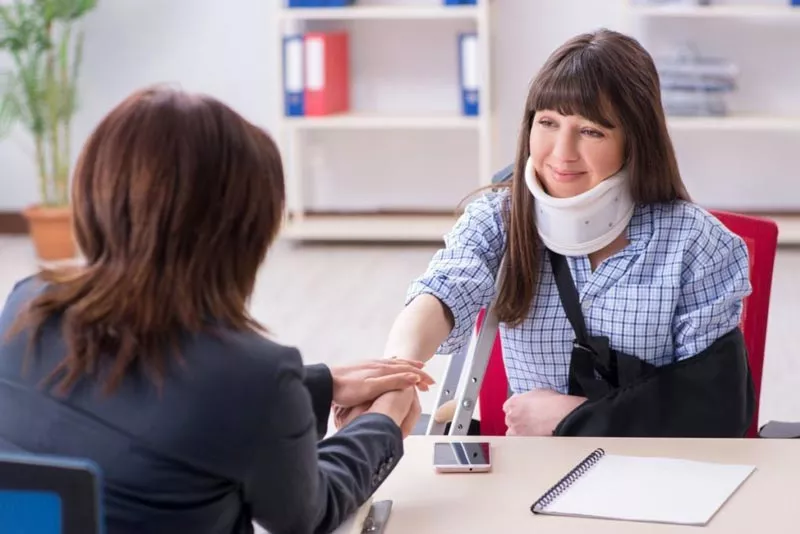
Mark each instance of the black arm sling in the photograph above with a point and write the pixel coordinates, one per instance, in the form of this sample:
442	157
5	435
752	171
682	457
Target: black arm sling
710	394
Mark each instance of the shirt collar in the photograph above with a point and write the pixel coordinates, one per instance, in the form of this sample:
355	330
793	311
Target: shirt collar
639	230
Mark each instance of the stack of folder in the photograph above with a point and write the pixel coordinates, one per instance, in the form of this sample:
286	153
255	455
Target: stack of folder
696	85
316	73
671	2
320	3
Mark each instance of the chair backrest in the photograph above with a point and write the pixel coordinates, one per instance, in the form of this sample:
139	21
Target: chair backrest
760	236
49	494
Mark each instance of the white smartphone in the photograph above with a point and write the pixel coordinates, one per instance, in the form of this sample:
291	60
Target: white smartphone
462	457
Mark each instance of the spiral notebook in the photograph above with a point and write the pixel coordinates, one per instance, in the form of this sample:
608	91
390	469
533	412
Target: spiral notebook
634	488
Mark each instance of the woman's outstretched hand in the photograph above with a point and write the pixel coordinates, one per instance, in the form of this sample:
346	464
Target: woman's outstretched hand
362	383
382	386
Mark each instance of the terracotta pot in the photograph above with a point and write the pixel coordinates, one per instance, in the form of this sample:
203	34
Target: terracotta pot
51	231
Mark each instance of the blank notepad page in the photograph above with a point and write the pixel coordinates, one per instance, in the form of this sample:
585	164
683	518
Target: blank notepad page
663	490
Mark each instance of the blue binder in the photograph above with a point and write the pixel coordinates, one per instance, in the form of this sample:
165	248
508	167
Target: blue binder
453	2
50	495
30	511
468	73
306	3
338	3
293	84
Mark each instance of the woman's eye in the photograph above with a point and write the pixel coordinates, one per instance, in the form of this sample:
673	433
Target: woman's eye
547	123
593	133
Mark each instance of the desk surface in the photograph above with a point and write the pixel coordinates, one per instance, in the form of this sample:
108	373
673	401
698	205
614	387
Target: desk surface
524	468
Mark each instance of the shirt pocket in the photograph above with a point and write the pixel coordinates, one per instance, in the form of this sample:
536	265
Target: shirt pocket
637	319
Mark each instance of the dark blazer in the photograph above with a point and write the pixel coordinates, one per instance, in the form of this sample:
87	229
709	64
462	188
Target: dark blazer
232	437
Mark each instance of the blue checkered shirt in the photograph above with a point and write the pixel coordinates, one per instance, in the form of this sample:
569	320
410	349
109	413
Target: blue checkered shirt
675	289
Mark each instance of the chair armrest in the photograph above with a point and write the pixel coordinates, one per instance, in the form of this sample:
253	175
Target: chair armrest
779	430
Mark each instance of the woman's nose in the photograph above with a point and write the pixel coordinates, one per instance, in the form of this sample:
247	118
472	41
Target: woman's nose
565	147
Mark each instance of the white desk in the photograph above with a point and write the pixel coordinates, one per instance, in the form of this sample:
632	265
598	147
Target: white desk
524	468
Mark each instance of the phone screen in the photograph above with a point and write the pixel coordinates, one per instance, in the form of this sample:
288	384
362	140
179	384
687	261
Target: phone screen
461	453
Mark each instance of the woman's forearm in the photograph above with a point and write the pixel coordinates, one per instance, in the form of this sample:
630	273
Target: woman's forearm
419	329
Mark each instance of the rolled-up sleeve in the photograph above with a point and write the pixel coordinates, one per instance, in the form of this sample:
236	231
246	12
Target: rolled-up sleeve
462	274
715	281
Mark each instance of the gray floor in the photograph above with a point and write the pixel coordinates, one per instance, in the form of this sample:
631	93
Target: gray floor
337	302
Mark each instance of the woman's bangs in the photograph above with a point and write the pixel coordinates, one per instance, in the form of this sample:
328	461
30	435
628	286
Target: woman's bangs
574	87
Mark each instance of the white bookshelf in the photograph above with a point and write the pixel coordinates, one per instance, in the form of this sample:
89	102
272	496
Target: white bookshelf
384	228
766	15
357	12
736	123
377	121
718	11
379	224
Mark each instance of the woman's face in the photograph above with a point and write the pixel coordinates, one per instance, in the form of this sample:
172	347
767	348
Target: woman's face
571	154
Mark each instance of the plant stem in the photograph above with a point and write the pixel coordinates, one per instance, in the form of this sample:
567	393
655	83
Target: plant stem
53	105
67	91
41	163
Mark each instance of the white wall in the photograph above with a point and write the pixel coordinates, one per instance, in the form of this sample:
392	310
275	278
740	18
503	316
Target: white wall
229	50
218	47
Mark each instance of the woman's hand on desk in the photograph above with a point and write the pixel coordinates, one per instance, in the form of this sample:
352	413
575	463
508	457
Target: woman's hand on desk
538	412
362	383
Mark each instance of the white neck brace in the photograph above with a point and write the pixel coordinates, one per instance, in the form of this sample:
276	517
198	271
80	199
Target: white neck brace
584	223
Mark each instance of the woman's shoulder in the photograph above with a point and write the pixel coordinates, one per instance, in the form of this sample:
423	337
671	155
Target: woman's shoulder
490	203
21	294
691	227
254	352
484	215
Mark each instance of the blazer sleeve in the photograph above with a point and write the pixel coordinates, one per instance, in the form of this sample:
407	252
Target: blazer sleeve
708	395
319	383
301	485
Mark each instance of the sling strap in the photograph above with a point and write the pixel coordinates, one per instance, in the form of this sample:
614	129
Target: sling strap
591	355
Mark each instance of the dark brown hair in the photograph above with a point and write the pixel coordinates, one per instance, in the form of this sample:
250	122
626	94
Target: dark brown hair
610	79
176	199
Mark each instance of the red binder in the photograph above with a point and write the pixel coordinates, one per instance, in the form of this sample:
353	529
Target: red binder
327	65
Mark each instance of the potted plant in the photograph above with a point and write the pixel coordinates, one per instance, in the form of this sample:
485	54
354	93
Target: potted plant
39	93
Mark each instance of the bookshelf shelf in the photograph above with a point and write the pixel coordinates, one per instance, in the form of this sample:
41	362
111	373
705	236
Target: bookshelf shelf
378	227
381	13
378	121
736	123
719	11
303	151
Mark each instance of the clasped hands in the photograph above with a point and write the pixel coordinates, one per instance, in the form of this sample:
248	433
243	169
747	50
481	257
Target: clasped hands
382	386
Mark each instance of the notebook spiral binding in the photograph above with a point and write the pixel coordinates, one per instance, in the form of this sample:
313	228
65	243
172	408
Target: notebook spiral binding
568	480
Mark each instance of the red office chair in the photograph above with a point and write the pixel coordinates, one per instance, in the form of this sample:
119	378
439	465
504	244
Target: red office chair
761	237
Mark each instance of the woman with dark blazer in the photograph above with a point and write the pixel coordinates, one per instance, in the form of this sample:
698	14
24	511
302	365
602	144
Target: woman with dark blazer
146	361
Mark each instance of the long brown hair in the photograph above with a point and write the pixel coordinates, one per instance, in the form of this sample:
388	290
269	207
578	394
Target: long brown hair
597	75
176	199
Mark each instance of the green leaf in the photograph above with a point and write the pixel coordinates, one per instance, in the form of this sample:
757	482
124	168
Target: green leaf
40	92
8	114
